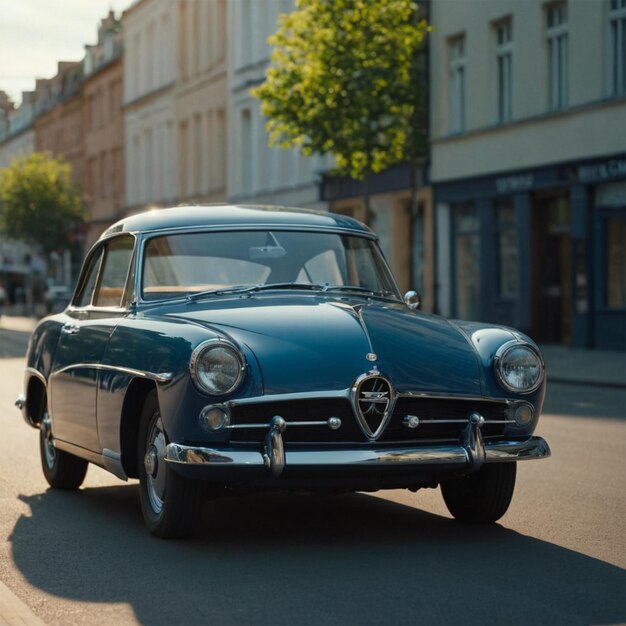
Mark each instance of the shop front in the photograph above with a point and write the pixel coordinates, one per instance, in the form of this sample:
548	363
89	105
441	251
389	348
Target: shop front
541	249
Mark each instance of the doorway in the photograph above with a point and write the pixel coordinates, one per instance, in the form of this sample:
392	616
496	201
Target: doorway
551	313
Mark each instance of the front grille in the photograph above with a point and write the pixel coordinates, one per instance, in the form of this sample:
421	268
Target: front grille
350	432
298	411
441	409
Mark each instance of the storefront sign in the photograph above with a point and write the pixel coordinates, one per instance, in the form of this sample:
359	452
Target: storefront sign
520	182
614	168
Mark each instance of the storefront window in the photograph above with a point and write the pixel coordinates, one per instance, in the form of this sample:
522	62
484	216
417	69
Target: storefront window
507	249
616	262
467	240
417	250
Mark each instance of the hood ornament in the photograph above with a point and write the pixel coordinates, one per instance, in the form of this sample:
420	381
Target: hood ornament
373	399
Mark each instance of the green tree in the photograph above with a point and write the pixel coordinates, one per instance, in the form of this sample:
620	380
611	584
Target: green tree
39	203
346	79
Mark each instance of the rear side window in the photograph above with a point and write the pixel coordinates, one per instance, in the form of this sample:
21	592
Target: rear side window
89	281
110	291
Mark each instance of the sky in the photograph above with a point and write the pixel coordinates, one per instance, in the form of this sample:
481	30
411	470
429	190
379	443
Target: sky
36	34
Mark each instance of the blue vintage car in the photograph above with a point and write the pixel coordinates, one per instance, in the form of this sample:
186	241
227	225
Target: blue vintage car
212	349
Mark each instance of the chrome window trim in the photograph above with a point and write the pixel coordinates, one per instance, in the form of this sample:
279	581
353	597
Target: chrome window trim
128	290
162	377
208	344
501	353
143	237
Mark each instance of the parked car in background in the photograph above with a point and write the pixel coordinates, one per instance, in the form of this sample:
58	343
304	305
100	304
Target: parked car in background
57	297
214	349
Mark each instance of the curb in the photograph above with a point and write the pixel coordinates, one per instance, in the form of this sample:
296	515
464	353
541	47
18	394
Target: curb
13	612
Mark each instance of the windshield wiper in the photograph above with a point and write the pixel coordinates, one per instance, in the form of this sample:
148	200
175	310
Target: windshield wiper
254	288
359	289
222	290
310	286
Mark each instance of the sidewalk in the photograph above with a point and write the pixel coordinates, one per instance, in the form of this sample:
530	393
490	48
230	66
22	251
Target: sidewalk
13	612
598	368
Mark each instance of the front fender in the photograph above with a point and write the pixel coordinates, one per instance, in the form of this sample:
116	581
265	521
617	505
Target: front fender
486	339
160	349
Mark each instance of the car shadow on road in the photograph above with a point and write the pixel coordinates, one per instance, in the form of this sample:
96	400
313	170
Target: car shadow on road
308	559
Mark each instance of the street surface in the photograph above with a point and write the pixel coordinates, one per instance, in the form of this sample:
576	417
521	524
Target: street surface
557	557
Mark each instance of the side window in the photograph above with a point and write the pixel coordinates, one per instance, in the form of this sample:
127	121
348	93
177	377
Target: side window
89	280
110	291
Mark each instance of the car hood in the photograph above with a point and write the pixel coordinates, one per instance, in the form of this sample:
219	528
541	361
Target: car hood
317	343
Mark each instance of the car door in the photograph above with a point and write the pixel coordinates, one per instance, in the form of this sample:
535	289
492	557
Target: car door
101	301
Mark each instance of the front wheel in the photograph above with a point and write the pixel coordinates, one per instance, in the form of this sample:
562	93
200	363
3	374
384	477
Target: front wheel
170	504
482	497
61	469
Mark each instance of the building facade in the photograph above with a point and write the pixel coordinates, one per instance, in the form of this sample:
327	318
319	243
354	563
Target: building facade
17	136
528	130
201	101
104	128
256	172
149	39
58	119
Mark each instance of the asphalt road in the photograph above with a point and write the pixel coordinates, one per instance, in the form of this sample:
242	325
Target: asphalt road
557	557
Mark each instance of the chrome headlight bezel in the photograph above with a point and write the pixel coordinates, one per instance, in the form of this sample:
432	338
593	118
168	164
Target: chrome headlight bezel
202	350
500	358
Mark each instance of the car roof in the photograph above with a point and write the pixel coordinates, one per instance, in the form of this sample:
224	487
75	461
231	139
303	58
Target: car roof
210	216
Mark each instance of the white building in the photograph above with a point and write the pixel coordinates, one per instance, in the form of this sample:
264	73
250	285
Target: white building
256	172
528	130
149	28
201	101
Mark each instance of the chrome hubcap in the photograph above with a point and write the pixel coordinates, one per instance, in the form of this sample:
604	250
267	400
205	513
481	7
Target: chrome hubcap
50	451
151	462
154	464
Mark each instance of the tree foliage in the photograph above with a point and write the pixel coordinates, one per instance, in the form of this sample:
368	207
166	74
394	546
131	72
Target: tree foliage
345	80
39	203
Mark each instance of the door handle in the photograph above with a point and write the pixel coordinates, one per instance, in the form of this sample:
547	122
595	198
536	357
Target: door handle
70	329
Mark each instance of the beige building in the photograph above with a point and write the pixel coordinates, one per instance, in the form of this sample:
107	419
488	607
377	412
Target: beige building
528	130
58	120
201	99
104	129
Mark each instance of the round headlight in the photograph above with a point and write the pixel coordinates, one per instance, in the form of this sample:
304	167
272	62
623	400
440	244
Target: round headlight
519	367
217	367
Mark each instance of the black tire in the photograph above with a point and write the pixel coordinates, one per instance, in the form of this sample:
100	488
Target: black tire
61	469
482	497
170	504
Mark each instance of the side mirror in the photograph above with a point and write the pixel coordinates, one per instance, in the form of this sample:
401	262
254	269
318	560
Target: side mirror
413	300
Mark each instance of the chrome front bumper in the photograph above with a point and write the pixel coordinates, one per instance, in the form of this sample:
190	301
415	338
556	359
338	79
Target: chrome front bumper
444	456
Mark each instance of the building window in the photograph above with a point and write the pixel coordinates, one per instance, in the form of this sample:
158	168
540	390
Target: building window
617	42
507	249
504	77
467	261
616	262
556	34
456	55
246	151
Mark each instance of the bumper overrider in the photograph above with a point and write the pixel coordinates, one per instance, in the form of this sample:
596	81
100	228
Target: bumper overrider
468	455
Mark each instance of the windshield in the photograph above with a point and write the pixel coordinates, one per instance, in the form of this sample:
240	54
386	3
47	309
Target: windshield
196	264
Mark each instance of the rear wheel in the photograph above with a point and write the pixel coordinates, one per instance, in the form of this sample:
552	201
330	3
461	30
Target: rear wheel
61	469
482	497
170	504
